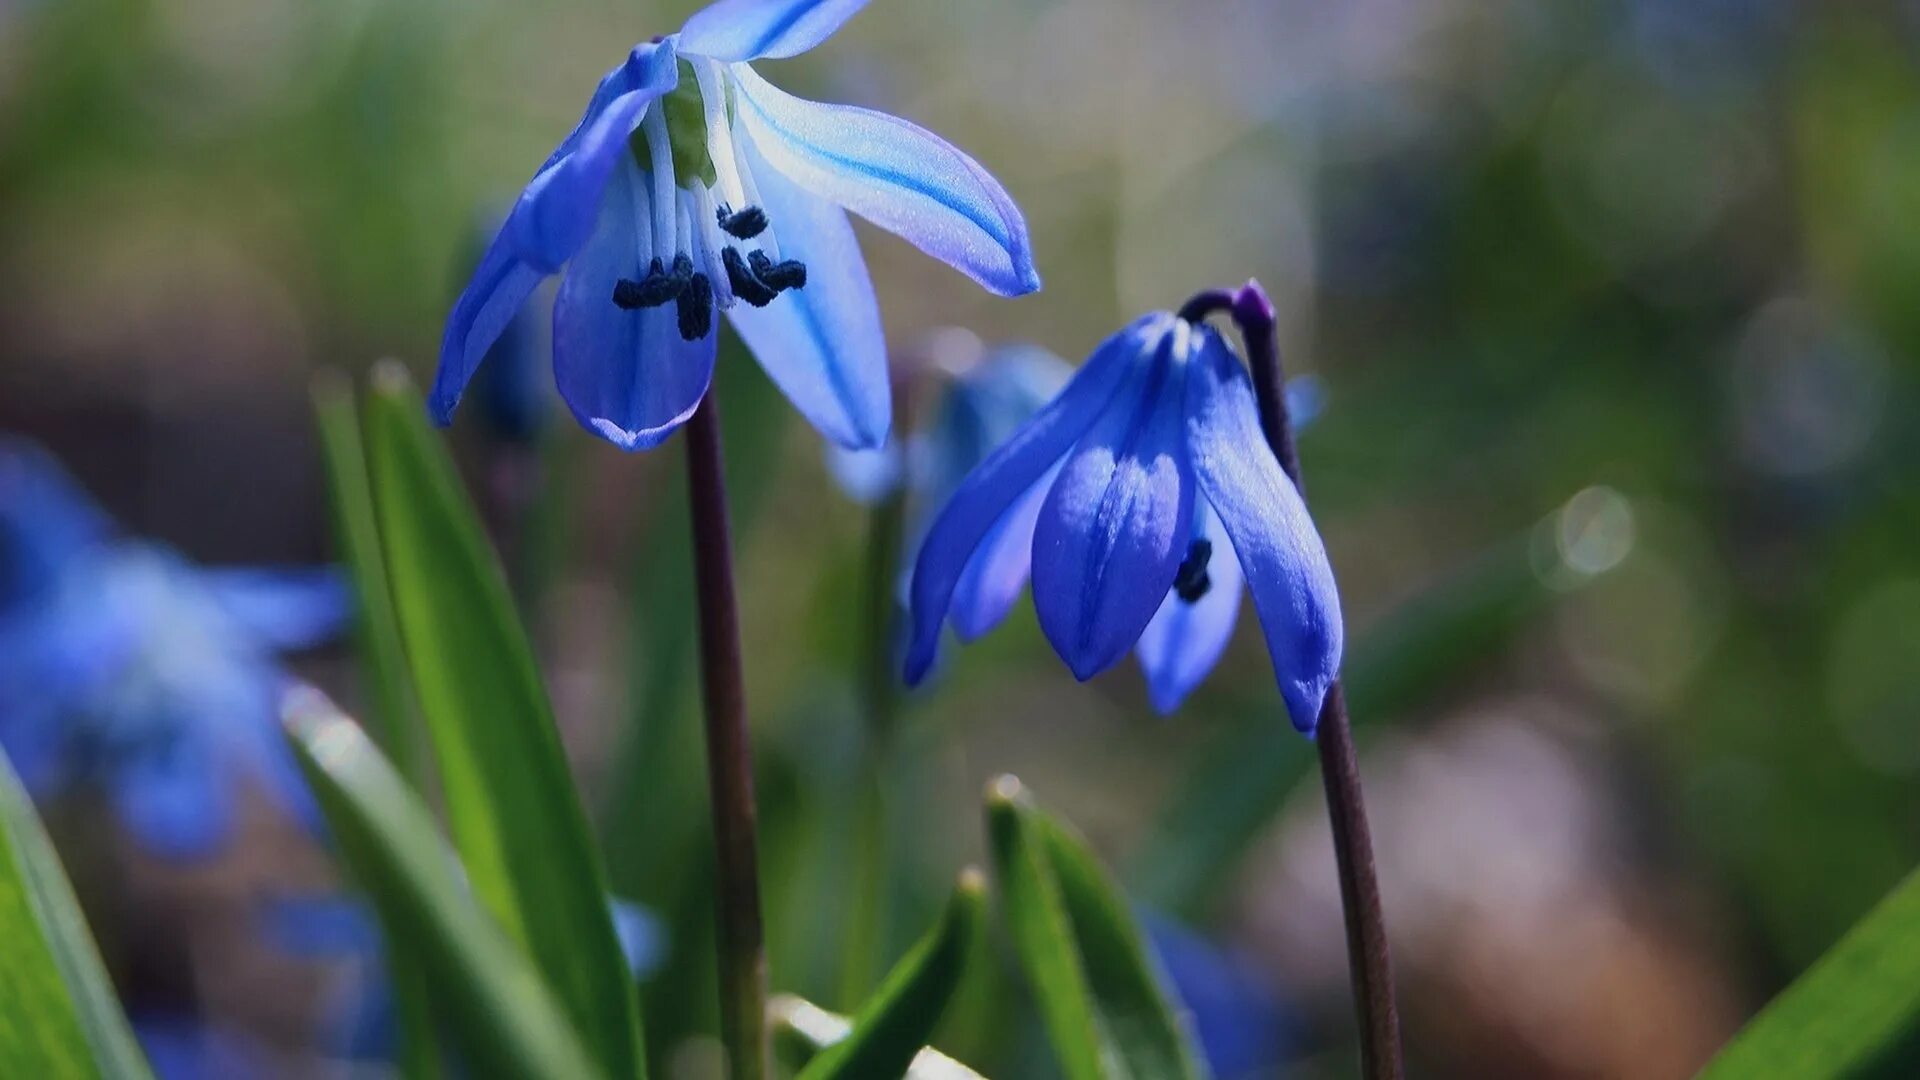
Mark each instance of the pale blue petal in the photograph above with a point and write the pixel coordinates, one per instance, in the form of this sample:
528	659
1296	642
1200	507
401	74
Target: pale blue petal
177	800
733	30
550	221
1184	641
643	941
500	285
45	518
1115	526
284	610
984	496
997	573
866	476
821	343
897	175
627	376
1284	559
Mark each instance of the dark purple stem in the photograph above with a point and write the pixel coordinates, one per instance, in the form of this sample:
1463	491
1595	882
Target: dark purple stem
1367	955
742	943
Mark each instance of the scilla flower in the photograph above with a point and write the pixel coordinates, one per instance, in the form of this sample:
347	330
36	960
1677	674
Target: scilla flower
124	669
693	186
1154	501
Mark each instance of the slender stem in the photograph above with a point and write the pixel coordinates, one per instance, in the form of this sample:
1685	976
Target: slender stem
742	944
1367	955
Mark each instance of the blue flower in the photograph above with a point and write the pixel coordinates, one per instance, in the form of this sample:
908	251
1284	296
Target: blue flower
691	183
1153	499
127	670
181	1047
515	397
1243	1027
364	1025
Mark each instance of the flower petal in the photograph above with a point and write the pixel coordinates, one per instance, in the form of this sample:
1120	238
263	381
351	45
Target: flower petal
897	175
822	343
549	222
177	801
731	30
1185	639
999	568
1114	528
1282	554
984	496
627	376
283	609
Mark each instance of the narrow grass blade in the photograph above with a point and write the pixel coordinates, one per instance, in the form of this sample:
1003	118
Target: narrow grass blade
803	1030
498	1008
1856	1001
894	1024
511	803
1100	992
58	1013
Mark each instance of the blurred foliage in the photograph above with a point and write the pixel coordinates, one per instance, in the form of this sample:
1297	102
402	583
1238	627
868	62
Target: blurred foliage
1665	251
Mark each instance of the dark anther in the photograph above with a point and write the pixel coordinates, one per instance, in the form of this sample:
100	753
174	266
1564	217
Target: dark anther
1191	582
745	285
742	224
696	308
655	289
779	276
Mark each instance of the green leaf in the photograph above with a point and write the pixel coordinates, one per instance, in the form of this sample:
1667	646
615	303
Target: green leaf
511	803
58	1013
1854	1002
898	1020
382	662
1415	653
1100	991
498	1008
803	1030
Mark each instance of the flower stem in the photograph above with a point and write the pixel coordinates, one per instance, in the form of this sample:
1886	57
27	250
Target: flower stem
741	938
1367	955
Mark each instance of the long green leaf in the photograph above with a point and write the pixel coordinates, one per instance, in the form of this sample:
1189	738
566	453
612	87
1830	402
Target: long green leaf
58	1013
511	803
1852	1004
498	1007
1100	992
382	663
899	1019
803	1030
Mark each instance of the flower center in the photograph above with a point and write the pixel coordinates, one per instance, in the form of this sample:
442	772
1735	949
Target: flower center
1191	582
706	239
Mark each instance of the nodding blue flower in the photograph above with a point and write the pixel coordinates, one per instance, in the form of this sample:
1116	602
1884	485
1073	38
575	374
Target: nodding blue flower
515	397
691	184
125	669
364	1024
1154	501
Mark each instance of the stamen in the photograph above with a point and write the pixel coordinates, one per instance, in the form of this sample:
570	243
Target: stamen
713	101
745	284
752	196
695	309
742	224
780	276
709	243
656	288
1191	582
665	197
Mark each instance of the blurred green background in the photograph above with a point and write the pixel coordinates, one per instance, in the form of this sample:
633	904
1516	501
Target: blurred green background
1619	469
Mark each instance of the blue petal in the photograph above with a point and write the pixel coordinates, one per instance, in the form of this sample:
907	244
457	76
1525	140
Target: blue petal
733	30
900	177
1184	641
283	609
45	518
177	801
1243	1027
627	376
1284	560
866	476
821	343
643	941
984	496
998	570
1115	527
552	218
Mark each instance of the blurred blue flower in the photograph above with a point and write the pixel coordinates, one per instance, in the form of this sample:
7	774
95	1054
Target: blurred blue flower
126	670
184	1048
365	1024
1152	498
1242	1026
692	183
